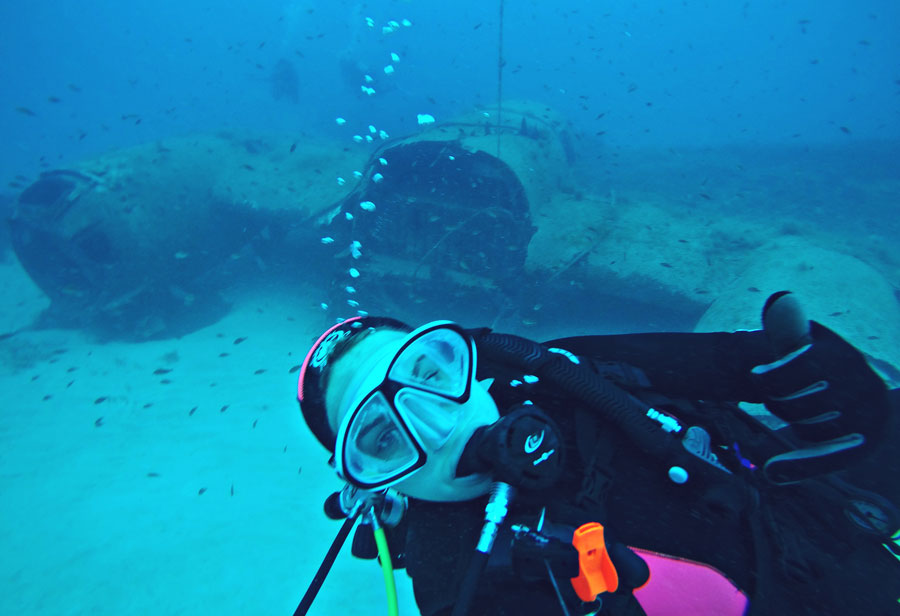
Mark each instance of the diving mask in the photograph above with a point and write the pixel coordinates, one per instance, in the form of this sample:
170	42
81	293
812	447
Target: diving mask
407	421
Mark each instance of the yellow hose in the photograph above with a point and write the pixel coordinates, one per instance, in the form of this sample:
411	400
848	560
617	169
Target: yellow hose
384	554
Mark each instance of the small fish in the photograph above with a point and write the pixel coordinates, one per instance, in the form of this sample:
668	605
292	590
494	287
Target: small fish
69	384
294	369
845	130
705	196
98	422
666	264
101	399
248	167
683	241
872	338
192	411
224	354
201	491
240	340
255	422
162	371
299	470
476	26
54	99
152	474
73	87
47	397
259	371
165	381
37	376
753	289
148	405
836	314
25	111
72	369
224	407
232	489
293	147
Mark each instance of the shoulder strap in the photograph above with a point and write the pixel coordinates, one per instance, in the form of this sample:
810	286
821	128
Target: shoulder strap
597	449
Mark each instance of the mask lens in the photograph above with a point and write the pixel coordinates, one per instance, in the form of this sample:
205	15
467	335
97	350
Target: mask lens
439	361
431	417
377	448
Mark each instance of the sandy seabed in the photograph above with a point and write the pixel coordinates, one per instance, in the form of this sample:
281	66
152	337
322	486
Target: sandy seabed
167	477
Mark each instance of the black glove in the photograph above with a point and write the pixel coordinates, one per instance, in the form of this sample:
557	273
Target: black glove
836	405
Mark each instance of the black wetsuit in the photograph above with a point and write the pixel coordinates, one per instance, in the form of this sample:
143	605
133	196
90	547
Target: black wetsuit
792	552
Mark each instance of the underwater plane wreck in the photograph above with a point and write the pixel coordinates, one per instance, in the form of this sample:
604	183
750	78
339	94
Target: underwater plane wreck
478	217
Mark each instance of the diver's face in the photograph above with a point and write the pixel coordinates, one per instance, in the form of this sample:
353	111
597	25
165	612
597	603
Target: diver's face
423	423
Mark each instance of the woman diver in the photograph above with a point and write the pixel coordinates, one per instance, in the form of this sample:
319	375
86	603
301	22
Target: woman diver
625	478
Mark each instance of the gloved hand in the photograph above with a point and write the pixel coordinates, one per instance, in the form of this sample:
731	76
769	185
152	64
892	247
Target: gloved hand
836	405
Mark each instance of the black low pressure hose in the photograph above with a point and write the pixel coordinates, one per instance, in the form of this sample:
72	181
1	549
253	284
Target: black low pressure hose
609	401
470	583
502	495
325	567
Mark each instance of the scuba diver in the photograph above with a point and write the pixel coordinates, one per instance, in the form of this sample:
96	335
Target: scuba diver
613	474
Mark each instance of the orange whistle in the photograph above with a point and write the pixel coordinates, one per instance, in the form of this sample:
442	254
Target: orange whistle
596	572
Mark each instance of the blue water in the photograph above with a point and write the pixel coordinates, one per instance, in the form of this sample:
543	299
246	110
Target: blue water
662	74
